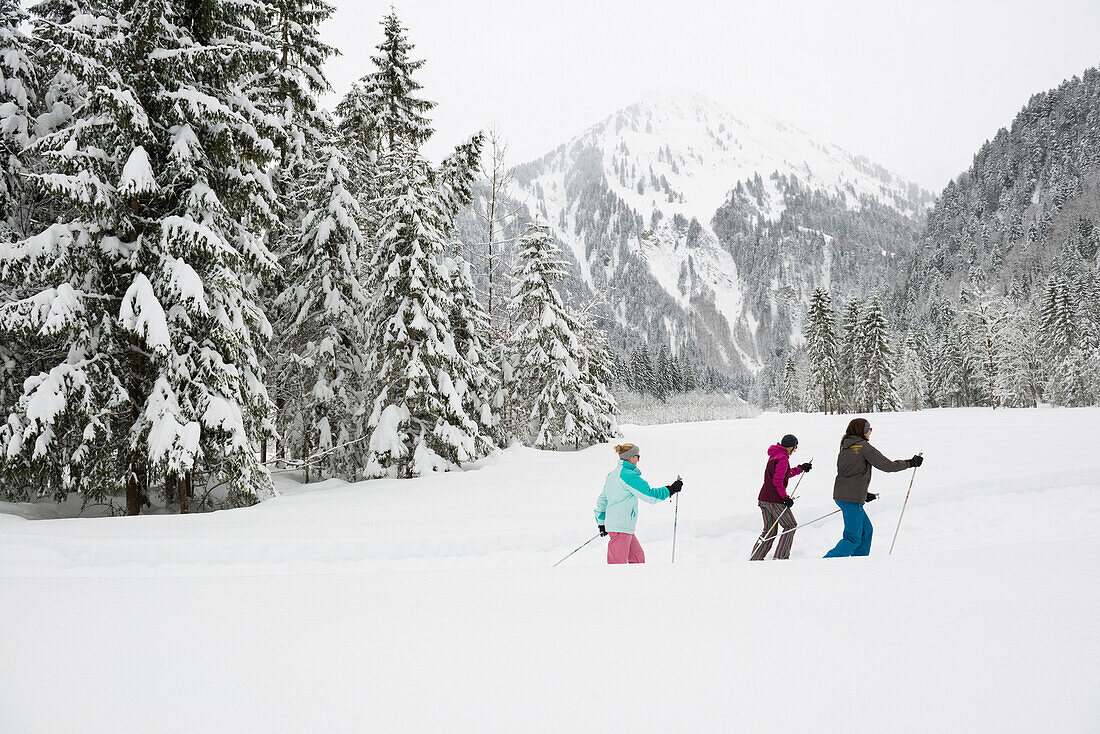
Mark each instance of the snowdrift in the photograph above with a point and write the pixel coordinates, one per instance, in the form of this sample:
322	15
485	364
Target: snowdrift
429	605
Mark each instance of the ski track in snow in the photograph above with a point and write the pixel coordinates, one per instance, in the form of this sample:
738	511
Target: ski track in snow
429	605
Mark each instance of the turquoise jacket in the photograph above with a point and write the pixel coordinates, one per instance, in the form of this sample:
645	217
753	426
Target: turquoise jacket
617	505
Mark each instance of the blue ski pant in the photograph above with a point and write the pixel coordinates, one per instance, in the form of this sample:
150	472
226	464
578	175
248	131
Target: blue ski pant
857	532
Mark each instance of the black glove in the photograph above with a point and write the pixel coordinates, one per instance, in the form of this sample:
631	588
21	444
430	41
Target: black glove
675	487
806	467
871	497
603	530
916	460
788	501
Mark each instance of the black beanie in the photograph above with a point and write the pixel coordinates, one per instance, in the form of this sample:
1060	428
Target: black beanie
789	442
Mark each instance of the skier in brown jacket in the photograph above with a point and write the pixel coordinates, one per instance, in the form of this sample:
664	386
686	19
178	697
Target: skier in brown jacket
853	477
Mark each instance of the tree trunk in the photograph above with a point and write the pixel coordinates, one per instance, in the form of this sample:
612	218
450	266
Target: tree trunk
184	487
134	495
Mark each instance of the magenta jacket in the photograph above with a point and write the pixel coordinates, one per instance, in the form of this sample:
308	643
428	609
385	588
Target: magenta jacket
776	475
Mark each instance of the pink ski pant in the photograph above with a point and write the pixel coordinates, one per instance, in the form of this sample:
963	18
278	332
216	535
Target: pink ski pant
624	548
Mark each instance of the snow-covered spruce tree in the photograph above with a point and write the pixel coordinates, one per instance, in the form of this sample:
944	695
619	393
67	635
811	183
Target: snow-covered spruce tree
1067	338
418	419
876	367
19	90
791	392
289	89
400	116
985	311
320	362
597	368
821	350
690	382
951	375
911	381
359	138
286	91
163	178
557	401
849	355
1020	382
663	374
677	375
476	376
641	367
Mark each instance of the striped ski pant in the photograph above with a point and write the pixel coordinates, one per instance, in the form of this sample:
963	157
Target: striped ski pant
771	511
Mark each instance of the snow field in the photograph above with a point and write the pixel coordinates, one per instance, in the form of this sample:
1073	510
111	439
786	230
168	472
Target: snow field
429	605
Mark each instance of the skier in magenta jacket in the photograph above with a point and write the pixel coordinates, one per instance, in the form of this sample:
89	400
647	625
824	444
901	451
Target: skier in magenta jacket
775	503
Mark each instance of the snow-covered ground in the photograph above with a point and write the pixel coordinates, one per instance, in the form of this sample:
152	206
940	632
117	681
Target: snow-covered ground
430	605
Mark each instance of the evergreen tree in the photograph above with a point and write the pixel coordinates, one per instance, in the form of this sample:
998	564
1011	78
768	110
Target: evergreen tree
848	363
690	384
597	364
559	405
642	368
1065	345
821	349
476	376
791	393
360	138
912	384
985	311
1020	382
19	82
163	174
401	117
320	369
418	418
663	381
876	390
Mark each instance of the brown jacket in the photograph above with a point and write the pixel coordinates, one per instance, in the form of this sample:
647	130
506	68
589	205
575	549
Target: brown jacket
853	468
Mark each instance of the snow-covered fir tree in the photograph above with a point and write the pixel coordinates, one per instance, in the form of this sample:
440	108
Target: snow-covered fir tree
848	365
476	375
320	360
419	419
986	312
912	385
1020	382
559	406
399	114
821	350
162	173
641	367
791	393
663	374
1067	339
875	364
597	368
19	81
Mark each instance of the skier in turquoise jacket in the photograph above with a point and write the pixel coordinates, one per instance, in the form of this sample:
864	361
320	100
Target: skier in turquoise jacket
617	505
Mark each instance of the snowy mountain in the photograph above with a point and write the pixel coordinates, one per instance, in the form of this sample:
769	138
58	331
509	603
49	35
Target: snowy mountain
708	229
1029	204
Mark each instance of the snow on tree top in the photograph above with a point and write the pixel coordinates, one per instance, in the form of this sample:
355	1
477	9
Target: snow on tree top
137	174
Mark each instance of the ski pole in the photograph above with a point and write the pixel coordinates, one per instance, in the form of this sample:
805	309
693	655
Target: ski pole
577	549
903	506
675	521
802	525
781	514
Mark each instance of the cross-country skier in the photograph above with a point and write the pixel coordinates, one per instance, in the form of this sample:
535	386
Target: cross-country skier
617	505
774	501
853	477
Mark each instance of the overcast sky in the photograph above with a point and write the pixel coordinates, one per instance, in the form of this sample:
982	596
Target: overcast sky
915	86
